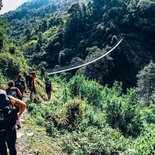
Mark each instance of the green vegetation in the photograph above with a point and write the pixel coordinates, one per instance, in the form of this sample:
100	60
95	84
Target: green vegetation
146	85
56	32
38	141
12	61
85	117
110	122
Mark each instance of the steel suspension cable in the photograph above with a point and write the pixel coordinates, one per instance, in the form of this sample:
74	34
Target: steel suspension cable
90	62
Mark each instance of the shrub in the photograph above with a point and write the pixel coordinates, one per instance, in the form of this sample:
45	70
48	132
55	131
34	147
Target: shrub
93	142
9	65
70	116
85	89
2	80
145	144
64	55
124	113
146	84
149	114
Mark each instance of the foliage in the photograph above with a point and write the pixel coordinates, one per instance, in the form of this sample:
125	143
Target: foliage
9	65
146	84
37	140
72	29
124	113
83	116
2	80
80	127
145	144
12	61
2	35
93	141
91	91
66	53
149	114
12	66
41	95
71	115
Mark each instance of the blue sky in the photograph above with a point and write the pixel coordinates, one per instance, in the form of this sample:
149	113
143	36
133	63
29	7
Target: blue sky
9	5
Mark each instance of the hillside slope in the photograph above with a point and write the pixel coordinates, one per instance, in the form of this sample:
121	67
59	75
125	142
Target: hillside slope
84	29
32	14
12	61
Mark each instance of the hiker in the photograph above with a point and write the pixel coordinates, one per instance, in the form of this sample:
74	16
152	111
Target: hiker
13	91
20	84
32	84
27	78
10	110
42	72
48	87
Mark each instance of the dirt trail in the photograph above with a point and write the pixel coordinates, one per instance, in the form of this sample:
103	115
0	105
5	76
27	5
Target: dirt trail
22	148
22	145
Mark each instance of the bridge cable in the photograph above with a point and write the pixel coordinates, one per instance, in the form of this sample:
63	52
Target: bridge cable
90	62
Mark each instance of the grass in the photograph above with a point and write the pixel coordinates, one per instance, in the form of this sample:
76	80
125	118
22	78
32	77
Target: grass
40	143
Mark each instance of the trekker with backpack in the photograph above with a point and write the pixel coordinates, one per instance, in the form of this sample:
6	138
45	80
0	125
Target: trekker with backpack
48	87
20	84
42	72
32	84
10	110
13	91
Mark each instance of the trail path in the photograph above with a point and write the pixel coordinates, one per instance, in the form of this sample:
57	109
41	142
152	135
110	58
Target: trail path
22	148
22	145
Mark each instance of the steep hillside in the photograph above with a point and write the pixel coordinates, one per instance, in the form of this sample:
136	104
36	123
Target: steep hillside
12	61
85	28
32	14
84	117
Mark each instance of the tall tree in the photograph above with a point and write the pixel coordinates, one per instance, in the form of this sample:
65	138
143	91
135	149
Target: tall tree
146	83
72	30
2	34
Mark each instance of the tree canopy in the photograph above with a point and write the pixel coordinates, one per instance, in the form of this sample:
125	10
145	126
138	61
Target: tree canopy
59	31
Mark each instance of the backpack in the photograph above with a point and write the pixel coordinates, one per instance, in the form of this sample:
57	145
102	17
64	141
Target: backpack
43	70
8	114
20	85
48	85
13	92
28	80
